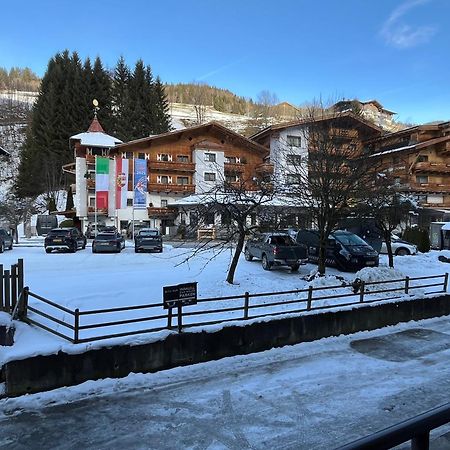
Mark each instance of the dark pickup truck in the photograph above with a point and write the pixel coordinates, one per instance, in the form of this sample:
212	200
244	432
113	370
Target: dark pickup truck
276	249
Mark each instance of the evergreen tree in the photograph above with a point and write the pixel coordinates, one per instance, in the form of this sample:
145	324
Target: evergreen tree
100	89
162	116
121	107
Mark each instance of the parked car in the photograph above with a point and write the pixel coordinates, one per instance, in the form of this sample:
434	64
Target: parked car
148	239
45	223
92	230
108	242
6	240
69	239
344	250
399	247
276	249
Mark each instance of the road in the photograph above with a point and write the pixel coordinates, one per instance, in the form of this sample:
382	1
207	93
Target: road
316	395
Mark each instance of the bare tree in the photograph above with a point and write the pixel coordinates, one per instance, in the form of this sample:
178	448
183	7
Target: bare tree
264	107
388	207
237	203
328	177
200	101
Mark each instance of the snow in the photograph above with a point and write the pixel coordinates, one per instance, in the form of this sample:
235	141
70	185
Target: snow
316	395
394	150
87	281
96	139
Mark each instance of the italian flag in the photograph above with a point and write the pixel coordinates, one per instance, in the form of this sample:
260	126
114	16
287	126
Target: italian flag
102	182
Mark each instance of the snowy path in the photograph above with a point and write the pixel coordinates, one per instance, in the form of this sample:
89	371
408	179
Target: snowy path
315	395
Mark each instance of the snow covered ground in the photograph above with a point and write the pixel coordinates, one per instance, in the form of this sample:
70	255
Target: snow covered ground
94	281
316	395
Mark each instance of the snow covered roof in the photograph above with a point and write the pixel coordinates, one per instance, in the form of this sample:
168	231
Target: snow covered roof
96	139
394	150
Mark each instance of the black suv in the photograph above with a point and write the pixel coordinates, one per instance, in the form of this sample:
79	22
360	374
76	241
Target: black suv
69	239
345	250
6	240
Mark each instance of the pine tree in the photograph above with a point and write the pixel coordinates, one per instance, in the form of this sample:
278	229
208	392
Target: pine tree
120	98
100	89
162	116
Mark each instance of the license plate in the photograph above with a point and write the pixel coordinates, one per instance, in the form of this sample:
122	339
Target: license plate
57	240
370	263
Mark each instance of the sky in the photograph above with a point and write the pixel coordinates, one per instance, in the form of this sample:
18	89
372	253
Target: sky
394	51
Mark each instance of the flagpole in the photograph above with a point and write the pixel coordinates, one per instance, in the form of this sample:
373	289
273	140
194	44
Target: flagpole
132	225
95	200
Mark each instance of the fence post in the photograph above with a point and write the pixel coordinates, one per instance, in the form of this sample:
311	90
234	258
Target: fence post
310	294
246	301
445	282
180	317
20	281
6	279
2	305
23	306
13	286
169	318
407	285
76	326
361	292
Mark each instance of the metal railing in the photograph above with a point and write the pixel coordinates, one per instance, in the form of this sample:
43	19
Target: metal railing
231	308
417	430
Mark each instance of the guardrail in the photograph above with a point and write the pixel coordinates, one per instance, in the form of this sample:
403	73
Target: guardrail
417	430
232	308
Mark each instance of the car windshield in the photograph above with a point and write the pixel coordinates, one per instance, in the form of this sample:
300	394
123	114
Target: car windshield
105	237
148	233
281	240
349	239
54	233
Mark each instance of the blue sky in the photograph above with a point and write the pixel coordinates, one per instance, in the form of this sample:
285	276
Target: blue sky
394	51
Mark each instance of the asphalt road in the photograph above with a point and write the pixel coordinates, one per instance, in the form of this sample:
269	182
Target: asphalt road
315	395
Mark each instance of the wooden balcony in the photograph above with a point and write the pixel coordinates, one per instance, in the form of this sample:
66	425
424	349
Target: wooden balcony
102	211
234	167
90	183
424	187
264	168
429	167
170	166
161	213
175	188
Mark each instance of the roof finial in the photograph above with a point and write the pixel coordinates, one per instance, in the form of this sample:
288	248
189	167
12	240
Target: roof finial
96	108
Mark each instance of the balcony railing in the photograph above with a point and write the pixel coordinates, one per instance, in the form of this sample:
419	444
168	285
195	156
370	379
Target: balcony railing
432	167
171	166
264	168
234	167
177	188
91	209
424	187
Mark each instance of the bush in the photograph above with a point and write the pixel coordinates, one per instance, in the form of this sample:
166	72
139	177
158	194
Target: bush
67	223
418	237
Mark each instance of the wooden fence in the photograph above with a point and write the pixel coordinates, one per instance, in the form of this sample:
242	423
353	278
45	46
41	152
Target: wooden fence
73	324
11	286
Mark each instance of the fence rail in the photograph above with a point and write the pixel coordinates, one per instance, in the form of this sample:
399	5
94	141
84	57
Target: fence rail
231	308
11	286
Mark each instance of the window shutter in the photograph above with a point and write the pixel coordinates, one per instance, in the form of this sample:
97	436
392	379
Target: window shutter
238	160
158	179
147	155
169	180
158	158
170	157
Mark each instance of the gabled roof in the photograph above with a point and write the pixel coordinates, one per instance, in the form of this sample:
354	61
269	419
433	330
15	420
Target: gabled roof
322	117
206	127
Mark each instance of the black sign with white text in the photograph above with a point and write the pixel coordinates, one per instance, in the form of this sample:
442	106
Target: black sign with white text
180	294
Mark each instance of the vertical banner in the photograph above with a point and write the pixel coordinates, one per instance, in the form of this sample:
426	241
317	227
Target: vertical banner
121	183
101	182
140	183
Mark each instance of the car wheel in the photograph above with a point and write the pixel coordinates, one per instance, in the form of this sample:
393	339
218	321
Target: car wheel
295	267
2	247
93	250
402	251
11	246
73	249
136	250
48	250
84	246
265	263
248	256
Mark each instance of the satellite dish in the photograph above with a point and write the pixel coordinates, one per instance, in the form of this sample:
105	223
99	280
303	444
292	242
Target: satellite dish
95	102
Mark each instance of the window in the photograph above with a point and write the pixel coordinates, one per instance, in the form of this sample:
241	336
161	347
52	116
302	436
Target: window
163	179
422	158
210	157
294	160
163	203
422	179
129	155
210	176
422	198
293	179
182	158
397	181
231	177
141	155
182	180
163	157
294	141
92	201
209	218
232	160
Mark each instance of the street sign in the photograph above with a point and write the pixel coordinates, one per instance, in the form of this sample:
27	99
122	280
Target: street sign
180	295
